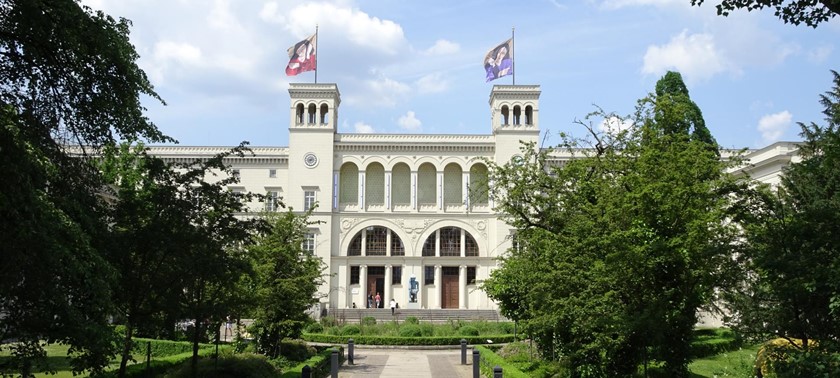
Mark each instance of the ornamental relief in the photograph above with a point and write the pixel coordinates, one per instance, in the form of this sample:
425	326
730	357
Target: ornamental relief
413	227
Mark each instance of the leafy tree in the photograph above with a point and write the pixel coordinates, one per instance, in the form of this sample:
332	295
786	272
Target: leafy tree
793	262
287	280
67	76
809	12
623	244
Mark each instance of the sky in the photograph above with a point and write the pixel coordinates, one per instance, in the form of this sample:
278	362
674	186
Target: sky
417	66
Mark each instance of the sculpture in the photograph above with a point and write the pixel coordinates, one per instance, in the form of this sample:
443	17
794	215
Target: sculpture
413	289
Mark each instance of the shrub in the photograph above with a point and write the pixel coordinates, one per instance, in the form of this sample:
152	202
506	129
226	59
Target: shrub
368	321
411	330
468	331
427	329
350	329
493	359
296	350
239	365
314	328
411	320
392	340
329	321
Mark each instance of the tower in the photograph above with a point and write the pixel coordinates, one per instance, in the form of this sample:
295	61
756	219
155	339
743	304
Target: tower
514	118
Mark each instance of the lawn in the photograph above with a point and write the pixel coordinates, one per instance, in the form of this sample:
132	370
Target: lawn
738	363
56	360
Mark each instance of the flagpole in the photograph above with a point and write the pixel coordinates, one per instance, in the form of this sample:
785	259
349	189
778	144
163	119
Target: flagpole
513	52
317	52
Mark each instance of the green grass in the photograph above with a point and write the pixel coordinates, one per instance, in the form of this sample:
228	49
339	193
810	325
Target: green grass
56	360
737	363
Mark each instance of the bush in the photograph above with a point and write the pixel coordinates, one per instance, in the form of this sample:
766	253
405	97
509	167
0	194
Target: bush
411	320
350	329
368	321
392	340
296	350
314	328
428	329
239	365
163	348
319	363
492	359
468	331
329	321
411	330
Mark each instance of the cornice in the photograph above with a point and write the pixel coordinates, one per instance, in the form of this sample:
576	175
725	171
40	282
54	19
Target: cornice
415	142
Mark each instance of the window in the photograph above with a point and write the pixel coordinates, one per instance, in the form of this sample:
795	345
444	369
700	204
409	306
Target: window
450	241
396	275
272	173
354	275
309	242
235	173
397	247
429	246
429	275
355	248
471	247
308	200
470	275
272	201
376	243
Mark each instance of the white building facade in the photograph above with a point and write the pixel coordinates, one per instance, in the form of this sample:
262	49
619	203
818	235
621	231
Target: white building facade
393	208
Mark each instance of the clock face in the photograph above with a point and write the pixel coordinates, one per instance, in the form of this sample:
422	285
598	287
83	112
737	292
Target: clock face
310	160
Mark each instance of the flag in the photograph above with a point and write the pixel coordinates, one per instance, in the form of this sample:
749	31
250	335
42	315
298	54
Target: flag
302	56
499	61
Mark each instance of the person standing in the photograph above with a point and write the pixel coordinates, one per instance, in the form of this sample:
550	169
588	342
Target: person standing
378	300
370	301
393	306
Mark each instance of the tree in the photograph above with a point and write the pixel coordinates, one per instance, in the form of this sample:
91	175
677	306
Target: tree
809	12
67	76
624	244
793	259
286	280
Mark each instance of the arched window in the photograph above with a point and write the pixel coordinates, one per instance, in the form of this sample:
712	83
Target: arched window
479	185
373	241
529	115
324	114
299	114
471	247
429	245
517	112
401	184
450	241
453	241
376	241
349	189
427	184
355	248
311	113
453	184
375	184
505	114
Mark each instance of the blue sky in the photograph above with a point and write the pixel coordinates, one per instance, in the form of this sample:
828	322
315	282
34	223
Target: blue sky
416	66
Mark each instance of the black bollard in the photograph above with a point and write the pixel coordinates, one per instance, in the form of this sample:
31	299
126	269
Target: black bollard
497	372
350	351
463	352
334	364
306	372
476	366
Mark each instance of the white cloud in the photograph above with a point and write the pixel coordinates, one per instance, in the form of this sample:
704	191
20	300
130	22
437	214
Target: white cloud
271	13
432	83
772	126
443	47
694	56
363	128
616	4
820	54
183	53
409	122
382	92
614	125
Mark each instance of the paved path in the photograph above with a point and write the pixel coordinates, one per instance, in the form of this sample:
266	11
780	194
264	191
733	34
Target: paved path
405	363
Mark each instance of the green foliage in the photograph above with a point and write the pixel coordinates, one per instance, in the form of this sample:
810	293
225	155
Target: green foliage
412	340
233	365
411	320
468	331
411	331
296	350
811	12
492	359
329	321
351	329
319	363
314	328
368	321
619	248
162	348
287	279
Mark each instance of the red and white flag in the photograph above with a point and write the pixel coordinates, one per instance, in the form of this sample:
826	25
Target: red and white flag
302	56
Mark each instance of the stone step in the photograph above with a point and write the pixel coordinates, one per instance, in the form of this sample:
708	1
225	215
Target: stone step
355	315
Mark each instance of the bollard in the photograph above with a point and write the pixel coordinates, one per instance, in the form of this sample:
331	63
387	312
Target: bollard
463	352
306	372
350	352
497	372
334	364
476	366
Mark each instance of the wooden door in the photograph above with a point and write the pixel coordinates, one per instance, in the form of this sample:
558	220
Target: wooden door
449	292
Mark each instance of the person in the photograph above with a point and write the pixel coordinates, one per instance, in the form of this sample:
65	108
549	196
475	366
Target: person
354	304
378	300
228	328
370	301
303	59
393	306
498	63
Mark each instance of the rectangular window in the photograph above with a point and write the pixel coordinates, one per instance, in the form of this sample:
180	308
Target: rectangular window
309	242
354	275
470	275
308	200
429	275
272	173
396	275
272	201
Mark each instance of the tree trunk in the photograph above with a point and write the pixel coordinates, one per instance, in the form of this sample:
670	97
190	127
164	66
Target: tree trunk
199	323
129	331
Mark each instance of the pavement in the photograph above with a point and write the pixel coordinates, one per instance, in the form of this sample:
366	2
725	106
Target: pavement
407	363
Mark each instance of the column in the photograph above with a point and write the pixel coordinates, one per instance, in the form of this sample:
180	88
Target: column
462	287
386	296
336	177
388	190
362	287
437	243
421	284
361	190
364	241
465	188
438	286
463	243
414	190
439	190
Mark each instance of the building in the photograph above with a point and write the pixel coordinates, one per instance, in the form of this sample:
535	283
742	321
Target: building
395	209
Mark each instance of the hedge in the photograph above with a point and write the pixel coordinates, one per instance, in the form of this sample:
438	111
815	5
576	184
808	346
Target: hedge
161	361
394	340
490	360
320	364
162	348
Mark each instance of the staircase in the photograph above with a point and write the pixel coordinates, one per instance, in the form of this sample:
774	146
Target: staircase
355	315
